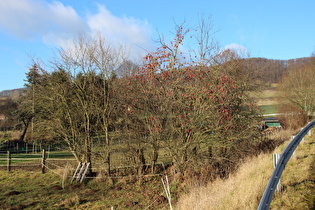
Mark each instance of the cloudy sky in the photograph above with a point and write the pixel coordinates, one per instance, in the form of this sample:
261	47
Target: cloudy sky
278	29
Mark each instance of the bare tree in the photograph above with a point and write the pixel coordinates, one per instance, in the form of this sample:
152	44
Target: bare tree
78	96
296	88
208	46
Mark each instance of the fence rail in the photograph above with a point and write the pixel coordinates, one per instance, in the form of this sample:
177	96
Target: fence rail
29	160
42	162
284	158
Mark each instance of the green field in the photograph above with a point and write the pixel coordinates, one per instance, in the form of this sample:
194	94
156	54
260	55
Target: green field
268	109
19	158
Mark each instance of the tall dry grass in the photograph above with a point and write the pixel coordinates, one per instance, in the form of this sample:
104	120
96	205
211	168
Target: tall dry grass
242	190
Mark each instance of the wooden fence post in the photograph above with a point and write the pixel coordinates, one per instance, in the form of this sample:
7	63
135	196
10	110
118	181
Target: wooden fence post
8	161
43	161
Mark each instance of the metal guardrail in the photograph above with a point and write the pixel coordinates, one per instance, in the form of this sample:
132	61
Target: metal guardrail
276	174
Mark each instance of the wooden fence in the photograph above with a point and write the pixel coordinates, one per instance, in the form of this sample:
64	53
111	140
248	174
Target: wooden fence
43	162
38	161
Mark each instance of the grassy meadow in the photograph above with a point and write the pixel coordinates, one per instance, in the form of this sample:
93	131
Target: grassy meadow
33	190
267	100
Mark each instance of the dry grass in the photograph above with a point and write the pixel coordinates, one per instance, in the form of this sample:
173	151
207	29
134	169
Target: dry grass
266	101
267	97
69	202
281	137
243	190
296	180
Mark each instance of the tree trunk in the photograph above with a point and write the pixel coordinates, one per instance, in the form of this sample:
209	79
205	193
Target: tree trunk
24	131
107	148
108	164
210	151
154	159
23	134
141	161
88	154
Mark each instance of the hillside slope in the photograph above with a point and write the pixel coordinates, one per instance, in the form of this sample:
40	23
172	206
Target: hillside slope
243	190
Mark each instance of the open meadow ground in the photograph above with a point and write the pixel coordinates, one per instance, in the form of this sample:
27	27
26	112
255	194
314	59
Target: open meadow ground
33	190
267	97
267	100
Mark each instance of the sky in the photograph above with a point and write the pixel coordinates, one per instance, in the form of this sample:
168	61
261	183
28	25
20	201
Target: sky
36	29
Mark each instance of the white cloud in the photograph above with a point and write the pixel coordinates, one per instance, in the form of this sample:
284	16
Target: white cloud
57	24
33	19
128	31
237	48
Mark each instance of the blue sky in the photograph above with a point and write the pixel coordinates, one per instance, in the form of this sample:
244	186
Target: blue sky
276	29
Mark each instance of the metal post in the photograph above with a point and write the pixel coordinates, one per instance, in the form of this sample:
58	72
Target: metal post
276	158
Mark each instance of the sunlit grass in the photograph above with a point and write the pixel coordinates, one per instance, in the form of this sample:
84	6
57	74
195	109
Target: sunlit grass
33	190
243	189
298	187
269	109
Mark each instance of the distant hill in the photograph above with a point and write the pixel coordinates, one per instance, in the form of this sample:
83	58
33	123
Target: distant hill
11	93
267	70
271	70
